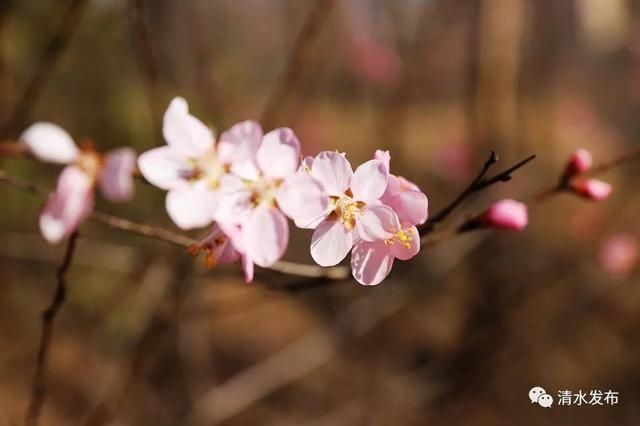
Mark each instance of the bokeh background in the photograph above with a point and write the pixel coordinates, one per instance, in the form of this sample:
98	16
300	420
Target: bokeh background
456	336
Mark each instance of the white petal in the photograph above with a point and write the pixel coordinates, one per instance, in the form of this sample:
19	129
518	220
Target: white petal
377	222
371	262
240	142
369	181
331	243
266	235
303	199
333	171
279	153
184	132
49	142
163	167
191	207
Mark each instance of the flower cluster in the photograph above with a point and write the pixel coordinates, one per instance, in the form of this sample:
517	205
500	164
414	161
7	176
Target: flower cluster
247	183
73	200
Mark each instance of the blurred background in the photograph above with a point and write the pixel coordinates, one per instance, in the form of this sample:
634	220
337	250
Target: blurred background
456	336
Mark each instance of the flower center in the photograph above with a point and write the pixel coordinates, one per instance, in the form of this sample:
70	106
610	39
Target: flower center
402	237
90	162
212	247
263	191
347	210
206	168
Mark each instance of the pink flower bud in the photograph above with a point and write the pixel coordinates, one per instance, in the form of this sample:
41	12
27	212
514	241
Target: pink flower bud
619	254
506	214
592	189
579	162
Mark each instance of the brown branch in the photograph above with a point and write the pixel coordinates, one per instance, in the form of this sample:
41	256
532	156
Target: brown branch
39	388
115	222
478	184
298	60
52	53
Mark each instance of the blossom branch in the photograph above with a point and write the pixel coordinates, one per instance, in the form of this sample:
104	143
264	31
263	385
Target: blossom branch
39	388
478	184
115	222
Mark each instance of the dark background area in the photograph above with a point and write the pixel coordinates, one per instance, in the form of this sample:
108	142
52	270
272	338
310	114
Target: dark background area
456	336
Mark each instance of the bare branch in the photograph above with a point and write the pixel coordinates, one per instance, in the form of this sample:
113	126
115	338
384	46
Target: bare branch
39	388
478	184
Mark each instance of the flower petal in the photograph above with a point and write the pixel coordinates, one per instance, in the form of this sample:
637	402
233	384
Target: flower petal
331	243
369	181
279	153
377	222
240	142
411	207
385	157
303	199
333	171
191	207
247	269
371	262
266	235
68	206
184	132
116	178
163	167
408	247
235	200
49	142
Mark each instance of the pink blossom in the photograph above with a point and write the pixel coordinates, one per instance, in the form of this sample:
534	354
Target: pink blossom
592	189
354	208
217	248
191	165
579	162
254	206
619	254
73	199
506	214
371	261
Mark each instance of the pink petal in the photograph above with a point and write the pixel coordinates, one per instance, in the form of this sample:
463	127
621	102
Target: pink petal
279	153
163	167
191	206
409	247
579	162
593	189
235	201
116	179
369	181
240	142
303	199
411	207
49	142
506	214
184	132
385	157
247	269
331	243
333	171
306	165
68	206
266	235
377	222
371	262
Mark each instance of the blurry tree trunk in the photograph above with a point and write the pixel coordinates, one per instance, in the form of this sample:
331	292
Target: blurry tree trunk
499	47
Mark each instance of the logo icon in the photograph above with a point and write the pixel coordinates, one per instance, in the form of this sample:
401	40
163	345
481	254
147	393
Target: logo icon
539	396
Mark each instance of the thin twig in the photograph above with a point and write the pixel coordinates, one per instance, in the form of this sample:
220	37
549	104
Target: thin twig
289	268
52	53
478	184
298	60
39	389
